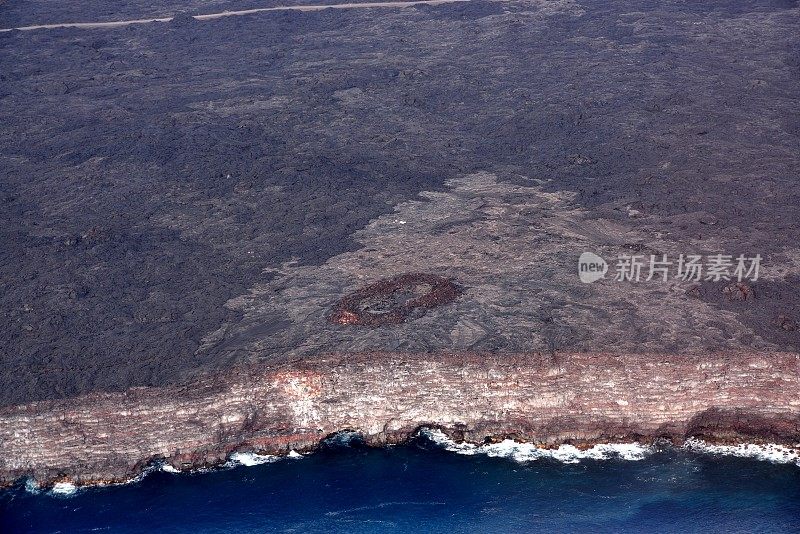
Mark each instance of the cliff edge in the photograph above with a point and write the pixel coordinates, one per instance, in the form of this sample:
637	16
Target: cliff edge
547	399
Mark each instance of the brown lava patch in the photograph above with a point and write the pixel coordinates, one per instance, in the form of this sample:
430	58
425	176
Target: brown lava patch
394	300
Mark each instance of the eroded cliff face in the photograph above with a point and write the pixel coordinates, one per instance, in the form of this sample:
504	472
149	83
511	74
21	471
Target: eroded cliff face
547	399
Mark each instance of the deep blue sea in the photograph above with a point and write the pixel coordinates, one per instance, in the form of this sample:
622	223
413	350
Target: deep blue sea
421	487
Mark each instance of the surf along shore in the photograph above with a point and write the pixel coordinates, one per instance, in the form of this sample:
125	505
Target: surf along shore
548	400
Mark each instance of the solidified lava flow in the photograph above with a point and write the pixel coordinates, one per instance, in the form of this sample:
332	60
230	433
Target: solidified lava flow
394	300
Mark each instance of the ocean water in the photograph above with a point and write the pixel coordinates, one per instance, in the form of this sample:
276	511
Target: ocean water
433	485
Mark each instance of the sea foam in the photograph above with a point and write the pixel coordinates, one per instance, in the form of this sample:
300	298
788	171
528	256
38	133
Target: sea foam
250	459
516	451
768	452
63	489
526	452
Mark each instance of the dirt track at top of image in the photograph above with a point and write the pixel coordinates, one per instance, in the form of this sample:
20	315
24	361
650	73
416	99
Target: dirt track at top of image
175	202
184	17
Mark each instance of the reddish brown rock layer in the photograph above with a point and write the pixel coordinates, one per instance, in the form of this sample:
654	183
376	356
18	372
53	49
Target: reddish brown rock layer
545	399
393	300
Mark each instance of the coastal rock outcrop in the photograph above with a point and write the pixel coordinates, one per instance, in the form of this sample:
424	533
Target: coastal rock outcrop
546	399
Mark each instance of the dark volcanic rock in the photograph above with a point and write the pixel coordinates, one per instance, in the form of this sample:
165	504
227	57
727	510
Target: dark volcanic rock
184	20
154	179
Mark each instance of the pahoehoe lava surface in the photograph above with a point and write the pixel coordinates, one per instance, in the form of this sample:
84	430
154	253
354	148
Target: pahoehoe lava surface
177	198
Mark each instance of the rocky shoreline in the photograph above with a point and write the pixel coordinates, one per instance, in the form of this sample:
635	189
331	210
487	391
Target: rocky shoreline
545	399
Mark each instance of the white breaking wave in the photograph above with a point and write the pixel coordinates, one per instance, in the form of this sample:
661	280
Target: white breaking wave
526	452
31	486
250	459
518	452
63	489
768	453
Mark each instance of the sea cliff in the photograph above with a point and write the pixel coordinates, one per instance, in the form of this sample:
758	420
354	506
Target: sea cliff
546	399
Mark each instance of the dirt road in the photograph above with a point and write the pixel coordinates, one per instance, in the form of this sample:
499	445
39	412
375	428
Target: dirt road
211	16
